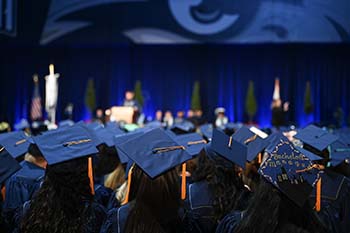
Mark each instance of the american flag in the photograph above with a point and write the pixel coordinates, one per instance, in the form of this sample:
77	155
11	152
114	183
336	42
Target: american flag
35	111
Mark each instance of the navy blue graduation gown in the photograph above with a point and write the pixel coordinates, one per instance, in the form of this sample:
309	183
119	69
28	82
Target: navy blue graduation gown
21	186
113	202
199	210
116	219
102	194
335	202
229	223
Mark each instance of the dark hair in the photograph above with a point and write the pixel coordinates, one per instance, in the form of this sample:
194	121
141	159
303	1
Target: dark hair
106	160
156	204
60	204
270	211
223	181
34	151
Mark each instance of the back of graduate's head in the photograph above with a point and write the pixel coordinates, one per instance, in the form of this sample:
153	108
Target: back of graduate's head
270	211
106	160
222	178
58	206
158	193
156	202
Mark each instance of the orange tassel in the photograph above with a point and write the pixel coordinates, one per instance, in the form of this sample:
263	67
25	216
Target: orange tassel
126	200
259	158
91	177
3	193
183	182
318	195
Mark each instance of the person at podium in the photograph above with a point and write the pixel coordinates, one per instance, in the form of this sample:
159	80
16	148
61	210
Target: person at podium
130	101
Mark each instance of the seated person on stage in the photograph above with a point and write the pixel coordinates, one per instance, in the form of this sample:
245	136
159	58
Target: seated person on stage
168	119
65	202
153	204
221	118
180	117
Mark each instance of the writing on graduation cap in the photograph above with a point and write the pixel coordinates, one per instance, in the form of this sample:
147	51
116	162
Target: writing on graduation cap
71	143
160	150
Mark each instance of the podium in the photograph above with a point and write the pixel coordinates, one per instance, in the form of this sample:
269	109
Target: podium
120	113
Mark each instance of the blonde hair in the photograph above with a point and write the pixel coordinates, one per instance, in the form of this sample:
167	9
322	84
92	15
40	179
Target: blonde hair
115	178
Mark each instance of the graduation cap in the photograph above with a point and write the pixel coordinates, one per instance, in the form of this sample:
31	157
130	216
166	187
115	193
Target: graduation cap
215	157
95	125
65	123
153	124
254	142
106	135
339	151
207	131
274	139
291	172
316	137
15	143
121	139
193	142
155	152
8	165
67	144
183	127
63	145
309	154
229	148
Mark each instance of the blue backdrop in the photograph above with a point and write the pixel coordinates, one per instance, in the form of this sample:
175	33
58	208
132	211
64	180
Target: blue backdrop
168	73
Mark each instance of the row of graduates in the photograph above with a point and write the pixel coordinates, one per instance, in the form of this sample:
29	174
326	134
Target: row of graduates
176	181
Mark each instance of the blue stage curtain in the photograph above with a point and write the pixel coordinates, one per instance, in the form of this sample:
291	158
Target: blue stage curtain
168	73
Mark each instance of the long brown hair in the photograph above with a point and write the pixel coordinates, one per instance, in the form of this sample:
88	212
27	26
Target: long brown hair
156	204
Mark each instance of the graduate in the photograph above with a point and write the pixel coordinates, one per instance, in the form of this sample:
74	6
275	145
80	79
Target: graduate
280	202
65	201
330	151
153	205
8	166
22	185
215	189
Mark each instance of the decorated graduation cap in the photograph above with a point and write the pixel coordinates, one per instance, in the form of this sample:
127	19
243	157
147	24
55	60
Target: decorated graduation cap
316	137
15	143
207	131
155	152
8	165
254	139
183	127
274	139
291	172
193	142
121	139
229	148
